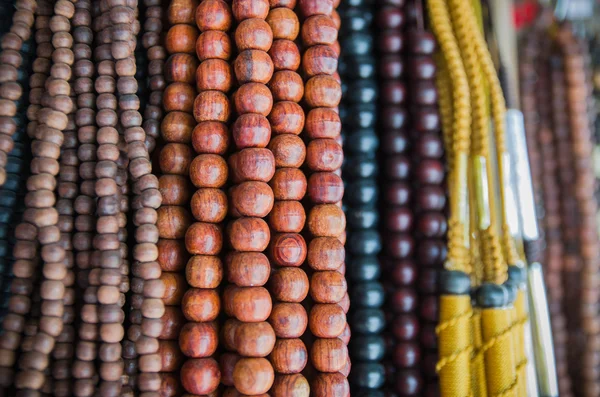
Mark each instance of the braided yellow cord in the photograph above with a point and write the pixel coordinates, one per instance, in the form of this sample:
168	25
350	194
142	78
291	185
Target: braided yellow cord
444	87
478	382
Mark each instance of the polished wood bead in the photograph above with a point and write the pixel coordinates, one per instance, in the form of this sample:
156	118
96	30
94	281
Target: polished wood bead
249	234
254	98
253	66
213	44
324	155
200	376
326	220
177	127
287	249
247	269
201	305
286	118
332	384
230	325
319	29
319	59
325	188
251	130
252	164
289	150
289	284
245	9
171	356
213	15
227	363
322	91
209	205
253	34
214	74
175	158
181	68
326	253
322	123
182	11
170	385
289	356
179	97
288	184
254	339
253	376
327	286
327	320
199	339
204	271
253	199
208	171
285	55
249	304
172	255
211	106
174	285
172	322
181	38
174	189
294	385
328	355
173	221
284	23
204	239
289	320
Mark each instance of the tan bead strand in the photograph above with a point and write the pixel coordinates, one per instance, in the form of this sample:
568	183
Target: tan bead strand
288	283
46	146
10	61
326	220
18	322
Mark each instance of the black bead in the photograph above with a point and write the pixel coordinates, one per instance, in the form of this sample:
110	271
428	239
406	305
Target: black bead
360	167
367	347
355	19
361	91
364	242
368	375
362	218
454	282
357	116
368	294
357	67
363	268
357	43
367	321
492	295
363	141
361	192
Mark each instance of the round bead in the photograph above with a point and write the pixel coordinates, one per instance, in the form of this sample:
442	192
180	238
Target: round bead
201	305
181	38
204	271
198	339
210	137
209	205
289	356
253	34
208	170
213	44
254	98
253	66
289	320
254	199
211	106
173	221
200	376
327	286
214	74
251	130
284	23
327	320
319	29
248	269
326	220
254	339
322	91
286	118
203	239
289	284
253	376
213	15
250	304
288	184
181	68
249	234
328	355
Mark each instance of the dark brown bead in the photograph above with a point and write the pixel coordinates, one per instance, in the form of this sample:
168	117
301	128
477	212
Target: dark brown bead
171	356
181	68
177	127
174	287
173	221
182	11
172	255
172	321
174	189
179	97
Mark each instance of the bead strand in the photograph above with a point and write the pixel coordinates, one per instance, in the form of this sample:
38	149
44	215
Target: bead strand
52	121
211	73
251	199
326	220
289	283
10	61
361	143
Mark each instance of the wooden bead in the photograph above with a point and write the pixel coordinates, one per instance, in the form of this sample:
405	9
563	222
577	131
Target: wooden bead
171	356
248	269
199	339
249	234
245	9
327	286
286	118
177	127
287	85
174	189
211	106
175	158
327	320
324	155
289	150
316	7
181	38
214	74
288	184
213	15
204	239
319	29
333	384
201	305
210	137
250	304
204	271
174	285
181	68
208	171
326	253
294	385
251	130
213	44
200	376
289	284
326	220
328	355
253	199
285	55
254	98
325	188
284	23
322	91
253	66
319	59
254	339
289	356
209	205
179	97
253	376
227	363
230	326
172	255
172	322
182	11
252	164
288	249
173	222
289	320
253	34
323	123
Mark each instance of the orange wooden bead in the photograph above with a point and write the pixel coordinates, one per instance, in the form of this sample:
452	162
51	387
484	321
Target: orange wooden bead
317	7
253	376
328	286
199	339
289	284
326	385
177	127
319	29
254	98
175	286
254	339
181	68
175	158
203	271
287	85
253	199
249	234
326	220
171	356
208	171
172	255
250	304
204	239
210	137
245	9
289	320
213	44
288	184
289	356
227	363
181	38
285	55
209	205
252	164
327	320
284	23
213	15
182	11
319	59
326	253
200	376
289	151
201	305
322	91
328	355
323	123
253	66
172	322
174	189
173	221
294	385
247	269
214	74
287	249
251	130
211	106
324	155
253	34
229	327
325	188
286	118
179	97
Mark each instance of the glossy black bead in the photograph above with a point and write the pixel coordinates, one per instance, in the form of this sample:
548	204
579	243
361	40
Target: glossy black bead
355	19
369	294
421	67
356	116
362	218
363	268
13	182
360	167
428	280
361	192
454	282
363	141
492	295
406	327
393	117
367	321
391	67
397	193
357	43
431	252
430	198
368	375
367	347
361	91
408	382
364	242
357	67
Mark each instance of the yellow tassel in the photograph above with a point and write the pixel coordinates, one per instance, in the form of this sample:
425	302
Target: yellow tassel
477	362
498	350
519	338
454	333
